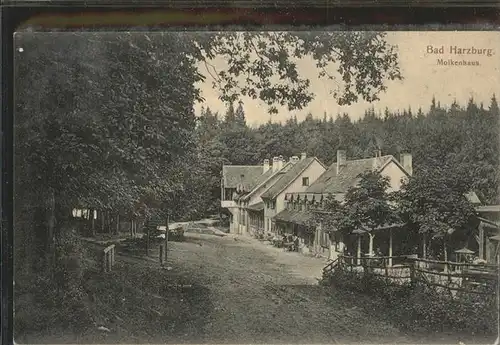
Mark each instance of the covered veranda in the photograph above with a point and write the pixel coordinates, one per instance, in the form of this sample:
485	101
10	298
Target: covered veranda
387	241
299	223
256	218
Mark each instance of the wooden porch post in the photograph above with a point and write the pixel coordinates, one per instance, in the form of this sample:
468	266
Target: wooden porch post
317	234
118	223
481	241
390	247
359	250
92	222
370	246
424	245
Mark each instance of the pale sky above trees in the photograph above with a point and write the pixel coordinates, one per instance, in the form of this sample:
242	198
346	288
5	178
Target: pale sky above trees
423	78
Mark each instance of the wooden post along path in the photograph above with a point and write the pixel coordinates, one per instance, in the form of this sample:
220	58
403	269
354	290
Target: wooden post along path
108	258
164	246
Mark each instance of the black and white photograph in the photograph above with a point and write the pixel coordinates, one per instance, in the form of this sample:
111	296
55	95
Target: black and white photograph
256	187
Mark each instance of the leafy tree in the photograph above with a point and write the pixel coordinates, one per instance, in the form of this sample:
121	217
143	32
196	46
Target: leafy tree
240	115
369	202
364	62
230	118
365	206
494	107
434	202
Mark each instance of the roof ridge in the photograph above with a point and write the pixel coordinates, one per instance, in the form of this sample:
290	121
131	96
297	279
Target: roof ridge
273	174
365	159
312	159
334	164
242	166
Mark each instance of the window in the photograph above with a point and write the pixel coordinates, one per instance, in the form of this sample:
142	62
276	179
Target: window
228	193
305	181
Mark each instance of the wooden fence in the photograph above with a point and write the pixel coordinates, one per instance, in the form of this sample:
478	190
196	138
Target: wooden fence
108	258
452	277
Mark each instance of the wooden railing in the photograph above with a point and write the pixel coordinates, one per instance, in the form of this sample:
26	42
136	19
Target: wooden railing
330	266
453	276
108	255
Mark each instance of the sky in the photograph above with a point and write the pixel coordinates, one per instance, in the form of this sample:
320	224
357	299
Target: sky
423	78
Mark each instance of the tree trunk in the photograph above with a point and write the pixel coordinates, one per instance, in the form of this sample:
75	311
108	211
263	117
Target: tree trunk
103	226
118	223
51	225
424	245
445	250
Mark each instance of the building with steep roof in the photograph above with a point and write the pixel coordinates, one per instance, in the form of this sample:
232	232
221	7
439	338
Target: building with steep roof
297	179
298	218
253	194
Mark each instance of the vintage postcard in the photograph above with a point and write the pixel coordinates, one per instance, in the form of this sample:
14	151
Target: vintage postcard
257	187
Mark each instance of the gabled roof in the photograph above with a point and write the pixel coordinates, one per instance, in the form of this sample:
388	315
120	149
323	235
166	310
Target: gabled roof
288	177
266	177
473	198
245	175
330	182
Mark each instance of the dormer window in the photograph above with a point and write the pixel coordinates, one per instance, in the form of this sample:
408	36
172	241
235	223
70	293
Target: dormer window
305	181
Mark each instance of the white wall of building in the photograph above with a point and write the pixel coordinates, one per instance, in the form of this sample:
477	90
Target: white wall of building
395	175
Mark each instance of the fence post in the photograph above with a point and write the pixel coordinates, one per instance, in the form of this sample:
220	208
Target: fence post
104	266
365	266
412	273
167	231
448	272
162	255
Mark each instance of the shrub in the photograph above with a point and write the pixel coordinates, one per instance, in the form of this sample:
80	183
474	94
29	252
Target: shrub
56	298
419	307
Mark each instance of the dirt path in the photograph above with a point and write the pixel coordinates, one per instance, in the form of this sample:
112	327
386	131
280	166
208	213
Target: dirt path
263	295
230	290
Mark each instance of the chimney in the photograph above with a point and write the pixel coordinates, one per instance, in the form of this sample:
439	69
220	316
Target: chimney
377	161
275	164
303	156
266	166
341	159
294	159
406	161
280	162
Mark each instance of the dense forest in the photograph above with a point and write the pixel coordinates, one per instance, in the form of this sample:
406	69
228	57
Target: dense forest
464	138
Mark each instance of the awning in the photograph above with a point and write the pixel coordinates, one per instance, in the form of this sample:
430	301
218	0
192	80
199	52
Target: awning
495	238
364	229
359	231
305	218
464	251
256	207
